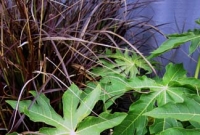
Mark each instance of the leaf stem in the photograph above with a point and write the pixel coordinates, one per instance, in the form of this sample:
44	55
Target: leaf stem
197	69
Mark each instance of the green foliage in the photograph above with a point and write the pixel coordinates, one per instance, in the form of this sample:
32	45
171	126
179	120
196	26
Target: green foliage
189	110
116	87
127	64
161	106
175	40
163	92
160	125
170	89
75	118
180	131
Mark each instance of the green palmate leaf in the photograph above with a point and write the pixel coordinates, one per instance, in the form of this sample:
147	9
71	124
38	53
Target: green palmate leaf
163	124
115	86
91	125
106	70
71	104
180	131
130	64
194	45
75	110
194	42
190	82
95	125
115	83
176	40
126	64
195	124
135	122
169	88
173	73
170	94
165	91
170	91
41	109
189	110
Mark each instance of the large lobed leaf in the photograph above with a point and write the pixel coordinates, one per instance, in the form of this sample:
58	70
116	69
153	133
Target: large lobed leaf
176	40
95	125
180	131
167	90
189	110
135	122
41	111
75	109
160	125
127	64
173	73
115	86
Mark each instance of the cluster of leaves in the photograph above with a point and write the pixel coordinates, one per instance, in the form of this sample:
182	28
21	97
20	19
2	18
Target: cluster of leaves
75	112
126	63
163	107
176	40
34	32
164	104
76	32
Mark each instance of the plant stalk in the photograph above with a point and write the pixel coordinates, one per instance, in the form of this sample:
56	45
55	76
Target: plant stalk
196	75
